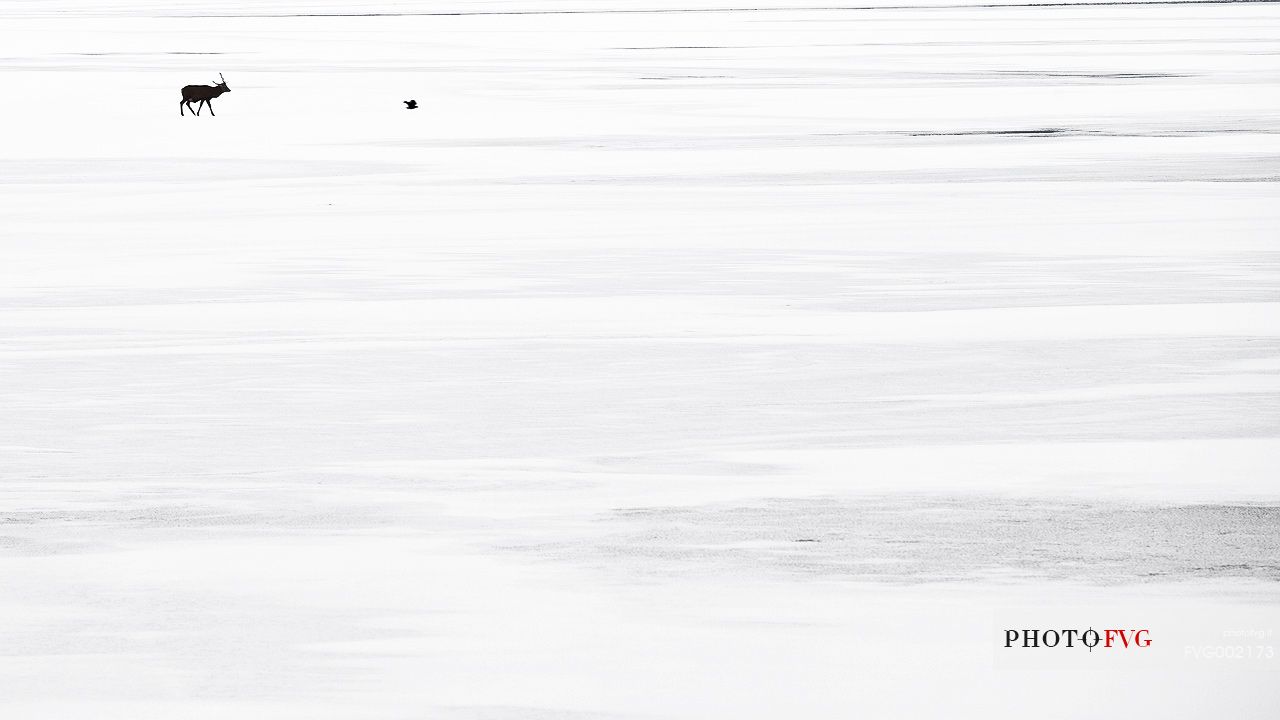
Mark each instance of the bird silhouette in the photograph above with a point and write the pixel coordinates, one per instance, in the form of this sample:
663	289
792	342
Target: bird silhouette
411	104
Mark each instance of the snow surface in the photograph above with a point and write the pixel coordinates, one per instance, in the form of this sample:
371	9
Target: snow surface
736	364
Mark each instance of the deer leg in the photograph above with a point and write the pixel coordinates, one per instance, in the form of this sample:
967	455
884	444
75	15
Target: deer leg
180	110
210	103
199	107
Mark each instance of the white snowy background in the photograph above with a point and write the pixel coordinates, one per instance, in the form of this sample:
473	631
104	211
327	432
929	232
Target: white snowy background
737	364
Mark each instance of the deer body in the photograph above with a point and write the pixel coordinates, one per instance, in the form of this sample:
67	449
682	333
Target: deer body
202	93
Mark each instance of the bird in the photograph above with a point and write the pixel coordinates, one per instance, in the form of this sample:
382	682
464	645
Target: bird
411	104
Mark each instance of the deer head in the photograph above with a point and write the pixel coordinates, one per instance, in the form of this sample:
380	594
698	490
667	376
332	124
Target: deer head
222	84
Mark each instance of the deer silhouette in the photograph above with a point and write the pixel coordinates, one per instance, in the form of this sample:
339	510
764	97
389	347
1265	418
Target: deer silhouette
204	93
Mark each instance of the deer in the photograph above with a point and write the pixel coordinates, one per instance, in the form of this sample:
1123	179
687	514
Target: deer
204	93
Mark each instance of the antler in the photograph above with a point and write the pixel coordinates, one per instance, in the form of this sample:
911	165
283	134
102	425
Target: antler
224	80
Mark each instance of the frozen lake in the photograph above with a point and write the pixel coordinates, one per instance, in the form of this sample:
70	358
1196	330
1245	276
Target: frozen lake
721	364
